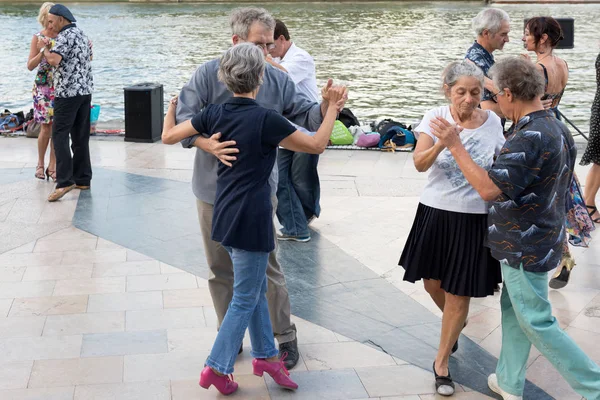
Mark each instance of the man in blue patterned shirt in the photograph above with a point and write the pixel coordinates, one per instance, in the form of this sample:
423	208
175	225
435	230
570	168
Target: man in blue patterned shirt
527	187
491	26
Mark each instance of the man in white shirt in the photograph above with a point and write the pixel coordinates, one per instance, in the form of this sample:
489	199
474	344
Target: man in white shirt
298	191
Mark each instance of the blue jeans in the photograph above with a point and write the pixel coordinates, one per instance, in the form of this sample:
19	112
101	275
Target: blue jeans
527	319
248	309
298	191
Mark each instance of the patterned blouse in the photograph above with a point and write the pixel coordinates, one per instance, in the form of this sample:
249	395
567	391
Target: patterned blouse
534	171
73	76
484	60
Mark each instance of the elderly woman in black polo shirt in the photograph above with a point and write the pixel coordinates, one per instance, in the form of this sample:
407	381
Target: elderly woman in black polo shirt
527	187
242	220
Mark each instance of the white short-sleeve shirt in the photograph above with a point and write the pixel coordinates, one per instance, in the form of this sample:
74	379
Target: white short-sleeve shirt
301	68
447	188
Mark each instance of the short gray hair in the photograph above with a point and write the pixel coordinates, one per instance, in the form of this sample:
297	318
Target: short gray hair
490	19
520	76
241	68
459	69
242	18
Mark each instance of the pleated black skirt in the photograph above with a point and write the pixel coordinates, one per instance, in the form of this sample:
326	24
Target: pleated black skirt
450	247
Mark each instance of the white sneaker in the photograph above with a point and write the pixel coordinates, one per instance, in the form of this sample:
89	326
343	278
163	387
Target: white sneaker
493	384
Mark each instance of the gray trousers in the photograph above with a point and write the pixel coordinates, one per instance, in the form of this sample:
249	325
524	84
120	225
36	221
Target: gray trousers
220	280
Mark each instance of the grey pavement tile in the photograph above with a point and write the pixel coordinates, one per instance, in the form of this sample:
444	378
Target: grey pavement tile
124	391
5	305
12	274
333	317
341	384
141	283
250	387
174	318
141	204
375	303
396	380
58	393
129	301
75	324
29	259
40	348
76	371
10	290
15	327
19	233
52	305
543	373
342	355
126	268
124	343
57	273
158	367
5	208
15	375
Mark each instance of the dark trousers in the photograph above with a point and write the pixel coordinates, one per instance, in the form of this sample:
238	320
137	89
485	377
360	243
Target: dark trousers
72	115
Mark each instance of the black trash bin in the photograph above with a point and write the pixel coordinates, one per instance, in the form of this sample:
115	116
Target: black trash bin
144	112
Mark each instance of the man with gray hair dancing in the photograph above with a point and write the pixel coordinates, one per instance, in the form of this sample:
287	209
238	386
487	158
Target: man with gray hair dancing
491	26
278	92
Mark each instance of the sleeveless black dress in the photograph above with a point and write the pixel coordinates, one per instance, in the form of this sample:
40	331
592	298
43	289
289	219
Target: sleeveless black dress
592	151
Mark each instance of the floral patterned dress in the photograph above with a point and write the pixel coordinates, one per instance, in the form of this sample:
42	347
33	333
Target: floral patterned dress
43	90
579	224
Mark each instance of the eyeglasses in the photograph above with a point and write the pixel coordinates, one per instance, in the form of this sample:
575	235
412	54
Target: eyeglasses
265	46
495	96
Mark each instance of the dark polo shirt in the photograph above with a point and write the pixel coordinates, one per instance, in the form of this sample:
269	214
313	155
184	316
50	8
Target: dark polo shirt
243	213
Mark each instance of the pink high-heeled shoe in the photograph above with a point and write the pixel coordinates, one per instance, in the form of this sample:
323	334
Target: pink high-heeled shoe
223	383
277	370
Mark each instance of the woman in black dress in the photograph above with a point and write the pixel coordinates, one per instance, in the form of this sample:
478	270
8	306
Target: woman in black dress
592	153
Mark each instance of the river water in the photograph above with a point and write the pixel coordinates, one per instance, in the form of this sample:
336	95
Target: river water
390	54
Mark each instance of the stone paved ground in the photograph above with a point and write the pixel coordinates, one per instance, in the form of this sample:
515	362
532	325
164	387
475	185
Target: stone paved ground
82	317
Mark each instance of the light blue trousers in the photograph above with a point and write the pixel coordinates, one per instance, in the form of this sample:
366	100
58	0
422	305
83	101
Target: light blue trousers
248	309
527	319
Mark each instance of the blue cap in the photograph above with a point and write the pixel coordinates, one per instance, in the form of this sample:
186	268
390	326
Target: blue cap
62	11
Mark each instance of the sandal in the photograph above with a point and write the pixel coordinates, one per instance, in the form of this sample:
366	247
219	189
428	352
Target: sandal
39	172
562	274
50	174
443	384
591	211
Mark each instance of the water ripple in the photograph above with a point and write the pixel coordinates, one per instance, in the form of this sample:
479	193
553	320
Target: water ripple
390	54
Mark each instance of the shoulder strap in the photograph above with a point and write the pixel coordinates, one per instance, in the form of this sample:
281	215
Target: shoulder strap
545	75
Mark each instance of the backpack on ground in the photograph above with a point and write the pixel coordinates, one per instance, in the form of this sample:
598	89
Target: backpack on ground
347	118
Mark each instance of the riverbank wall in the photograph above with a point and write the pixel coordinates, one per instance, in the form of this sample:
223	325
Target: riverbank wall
235	1
313	1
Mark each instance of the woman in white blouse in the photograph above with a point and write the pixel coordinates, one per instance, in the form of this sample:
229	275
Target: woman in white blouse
446	246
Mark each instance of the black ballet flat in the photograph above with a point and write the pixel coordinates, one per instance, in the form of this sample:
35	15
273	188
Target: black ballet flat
444	385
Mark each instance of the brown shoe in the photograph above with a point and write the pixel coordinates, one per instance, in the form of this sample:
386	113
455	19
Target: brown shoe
57	194
82	187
